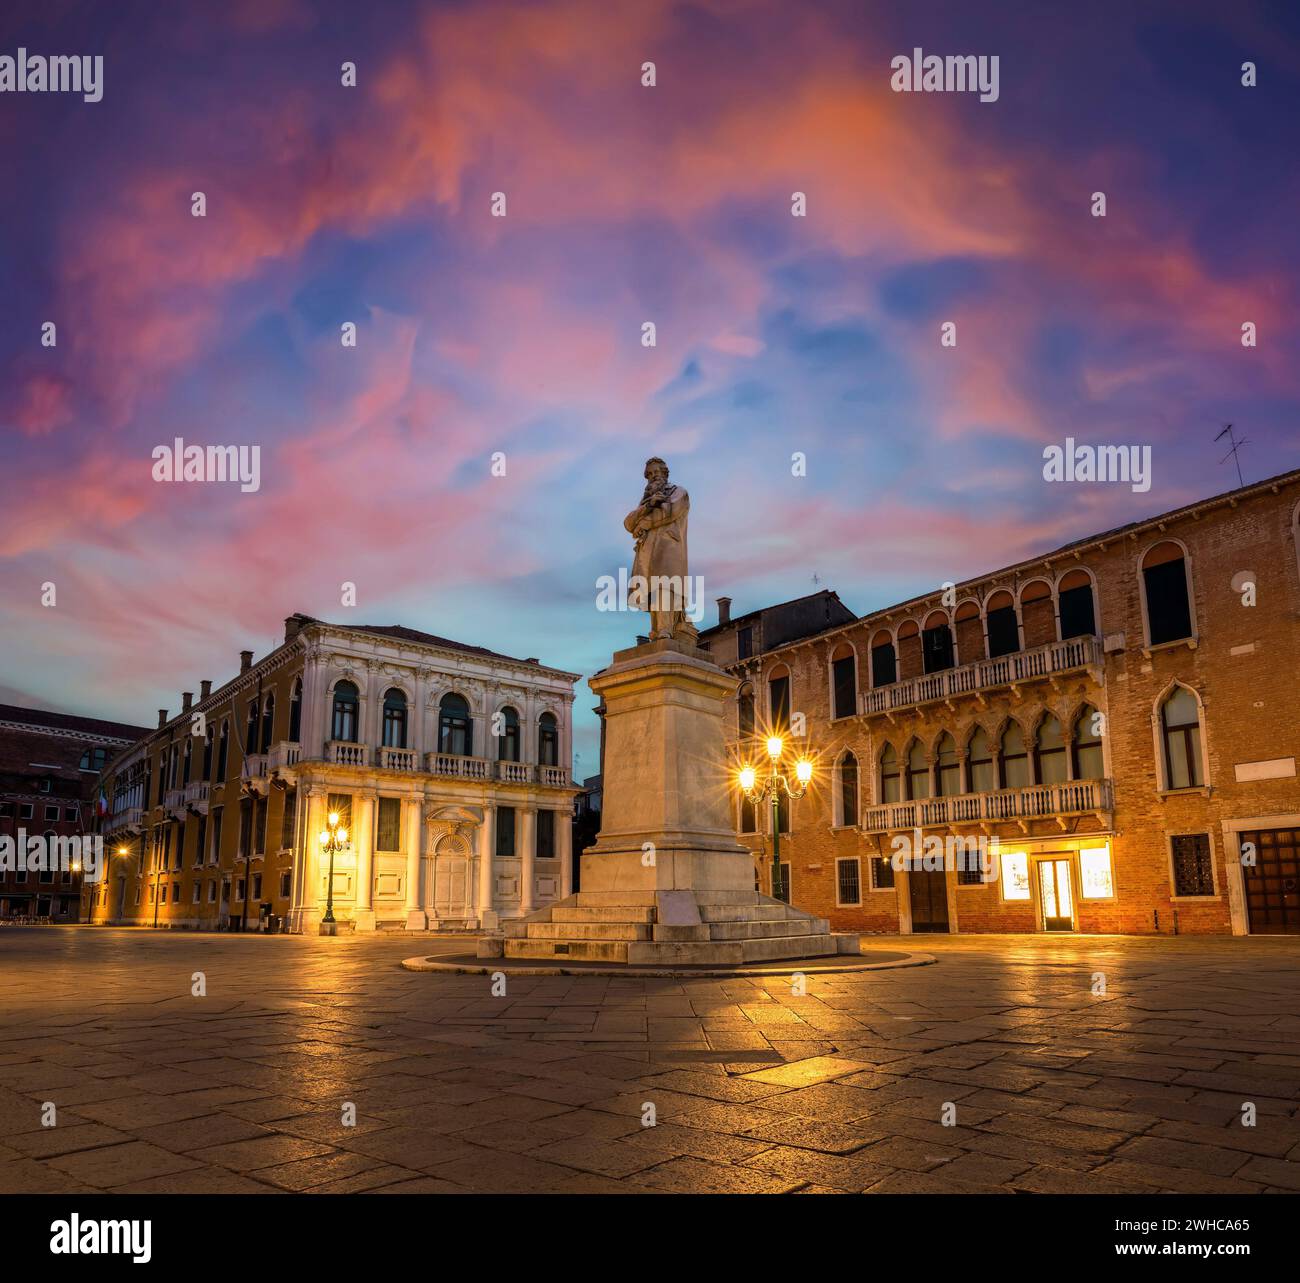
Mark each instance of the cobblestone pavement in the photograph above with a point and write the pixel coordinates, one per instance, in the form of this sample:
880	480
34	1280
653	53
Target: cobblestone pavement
1054	1088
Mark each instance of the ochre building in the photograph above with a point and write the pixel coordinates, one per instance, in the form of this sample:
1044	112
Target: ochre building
1100	739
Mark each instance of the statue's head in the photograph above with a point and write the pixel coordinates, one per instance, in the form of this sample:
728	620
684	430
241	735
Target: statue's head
655	468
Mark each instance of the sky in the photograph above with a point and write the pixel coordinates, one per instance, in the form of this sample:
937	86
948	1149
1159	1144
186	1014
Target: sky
778	339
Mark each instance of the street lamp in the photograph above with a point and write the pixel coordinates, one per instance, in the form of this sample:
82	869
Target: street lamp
770	789
332	840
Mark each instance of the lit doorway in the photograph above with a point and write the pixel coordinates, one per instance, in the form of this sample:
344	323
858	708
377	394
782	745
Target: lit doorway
1056	895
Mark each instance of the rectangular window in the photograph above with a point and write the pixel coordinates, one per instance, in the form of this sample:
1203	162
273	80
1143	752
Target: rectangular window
257	886
70	814
1077	616
1004	636
259	825
176	893
198	892
936	649
289	820
1193	864
785	883
25	811
1015	875
744	642
1168	616
285	884
884	667
882	873
212	893
505	832
845	695
245	826
51	815
239	890
546	835
216	835
162	894
748	816
1097	882
201	841
779	692
390	824
848	882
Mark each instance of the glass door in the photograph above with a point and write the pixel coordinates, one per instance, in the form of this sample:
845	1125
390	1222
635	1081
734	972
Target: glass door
1056	895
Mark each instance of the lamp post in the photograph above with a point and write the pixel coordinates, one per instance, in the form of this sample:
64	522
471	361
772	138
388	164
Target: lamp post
770	789
332	839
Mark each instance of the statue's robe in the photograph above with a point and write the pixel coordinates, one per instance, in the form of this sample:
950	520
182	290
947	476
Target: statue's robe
662	550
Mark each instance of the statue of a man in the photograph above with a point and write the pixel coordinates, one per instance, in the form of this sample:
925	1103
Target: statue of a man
658	584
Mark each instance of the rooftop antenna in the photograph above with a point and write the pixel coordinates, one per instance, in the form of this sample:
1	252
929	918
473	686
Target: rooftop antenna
816	579
1232	454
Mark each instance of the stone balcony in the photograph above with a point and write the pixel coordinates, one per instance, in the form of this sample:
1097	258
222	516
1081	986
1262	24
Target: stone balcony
196	796
399	759
174	803
1043	663
346	753
1057	802
131	817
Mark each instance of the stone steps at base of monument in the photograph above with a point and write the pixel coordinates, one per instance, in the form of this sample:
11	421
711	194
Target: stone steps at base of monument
588	931
767	930
605	913
667	953
649	899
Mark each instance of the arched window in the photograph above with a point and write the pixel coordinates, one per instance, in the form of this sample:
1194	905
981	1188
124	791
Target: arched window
508	740
455	730
268	721
936	643
1089	763
548	740
207	754
1015	760
295	713
890	780
983	778
1075	606
848	791
844	682
778	692
1166	593
1049	752
918	773
1003	626
93	759
250	729
884	662
185	773
746	713
394	718
222	752
947	767
1181	725
344	724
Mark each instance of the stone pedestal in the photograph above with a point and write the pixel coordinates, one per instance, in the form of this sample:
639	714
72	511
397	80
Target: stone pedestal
666	881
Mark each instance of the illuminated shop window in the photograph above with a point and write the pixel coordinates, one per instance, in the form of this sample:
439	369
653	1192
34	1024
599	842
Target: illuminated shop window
1094	870
1015	875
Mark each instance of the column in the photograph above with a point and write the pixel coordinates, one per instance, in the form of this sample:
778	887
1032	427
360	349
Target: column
412	837
527	858
363	842
305	913
487	838
564	848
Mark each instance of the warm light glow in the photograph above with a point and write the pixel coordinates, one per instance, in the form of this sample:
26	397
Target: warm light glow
1094	870
324	838
121	850
334	819
343	835
803	770
775	747
747	777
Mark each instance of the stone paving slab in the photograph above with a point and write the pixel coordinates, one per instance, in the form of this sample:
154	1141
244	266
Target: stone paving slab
997	1069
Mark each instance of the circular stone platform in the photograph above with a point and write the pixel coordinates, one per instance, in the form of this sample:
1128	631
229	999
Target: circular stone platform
472	965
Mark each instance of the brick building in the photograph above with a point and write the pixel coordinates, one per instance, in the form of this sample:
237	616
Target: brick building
448	764
1113	726
49	772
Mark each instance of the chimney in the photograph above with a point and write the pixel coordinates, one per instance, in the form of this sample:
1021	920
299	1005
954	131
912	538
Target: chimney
162	718
245	660
187	698
205	688
293	626
724	610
